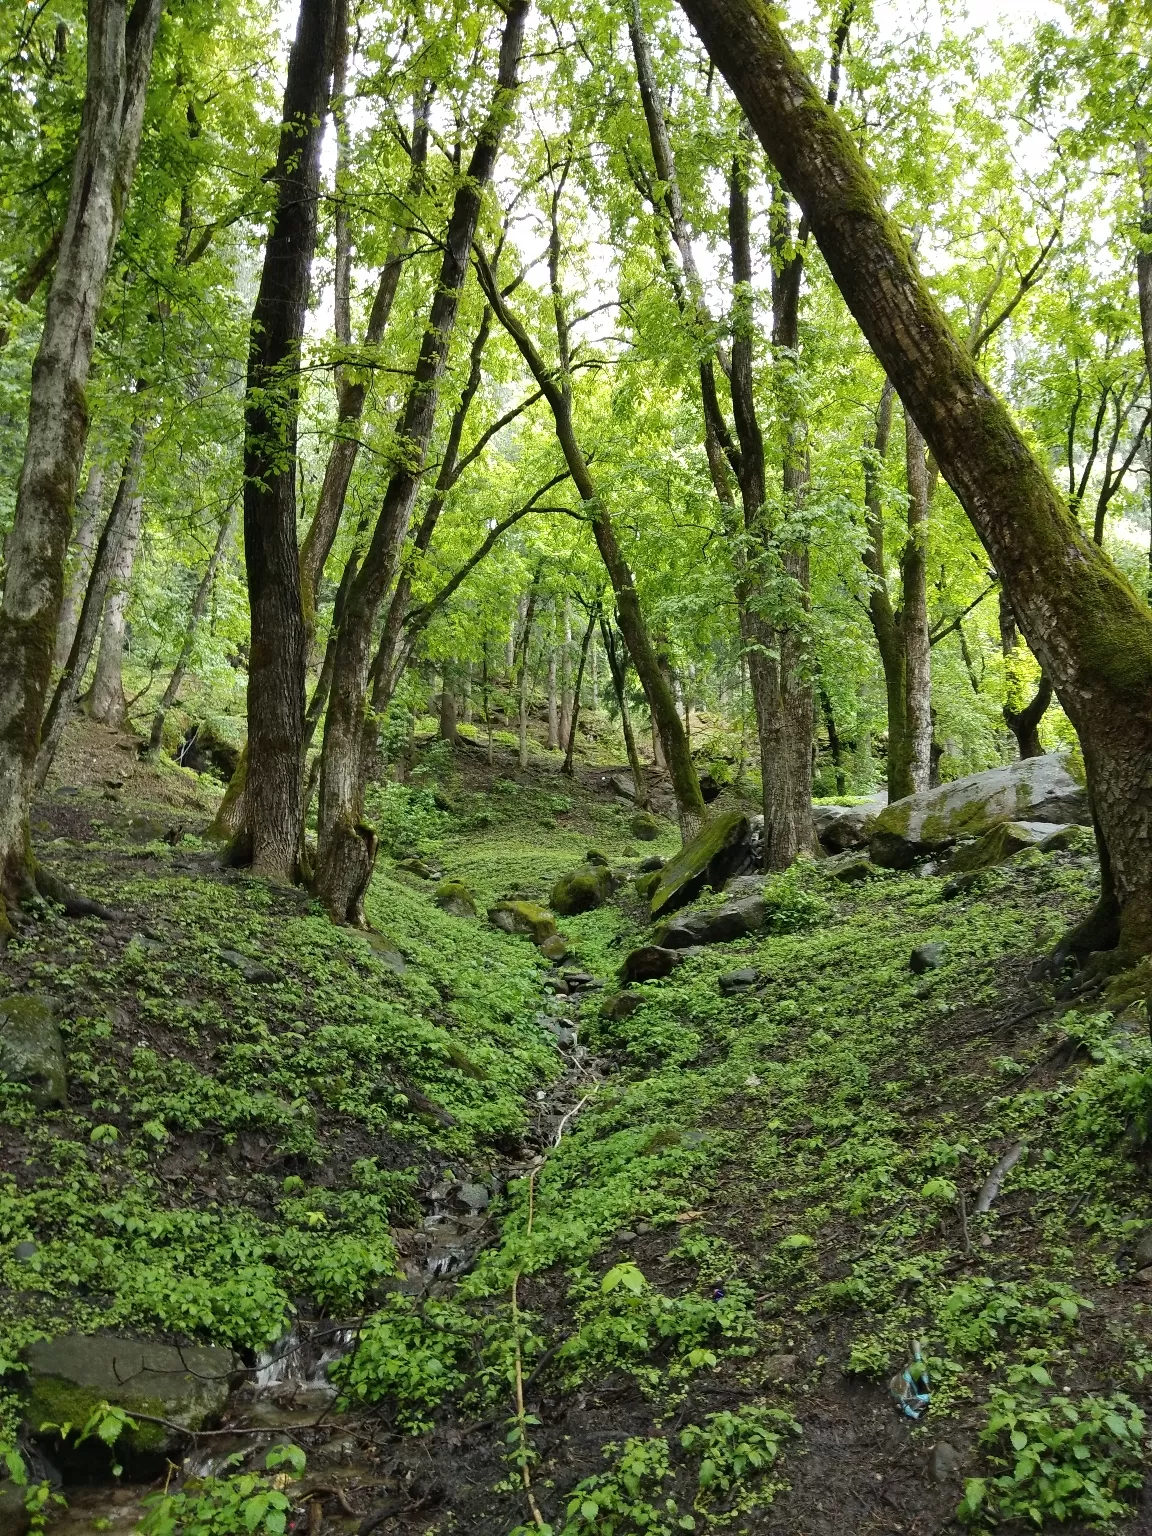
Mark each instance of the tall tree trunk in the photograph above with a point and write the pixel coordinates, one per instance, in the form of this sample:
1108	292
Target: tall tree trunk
835	747
277	653
344	853
120	43
569	764
84	541
914	614
617	663
88	627
105	700
195	614
523	679
1083	621
566	677
448	712
686	786
553	715
1024	723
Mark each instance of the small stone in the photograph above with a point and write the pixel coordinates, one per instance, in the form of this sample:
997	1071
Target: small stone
622	1006
649	963
643	825
453	897
927	957
25	1251
946	1462
1143	1251
472	1197
31	1049
250	969
593	857
752	1081
739	981
554	948
651	865
415	866
1144	1276
782	1368
854	871
625	1237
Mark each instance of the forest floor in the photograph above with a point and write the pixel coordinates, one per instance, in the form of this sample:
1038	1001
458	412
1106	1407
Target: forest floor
704	1235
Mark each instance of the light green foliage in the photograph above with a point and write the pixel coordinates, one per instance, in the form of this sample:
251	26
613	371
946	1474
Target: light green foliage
223	1506
1064	1458
412	1356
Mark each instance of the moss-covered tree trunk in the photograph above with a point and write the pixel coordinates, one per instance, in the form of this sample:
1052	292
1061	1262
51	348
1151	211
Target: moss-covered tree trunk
1084	622
120	41
1023	720
914	615
105	699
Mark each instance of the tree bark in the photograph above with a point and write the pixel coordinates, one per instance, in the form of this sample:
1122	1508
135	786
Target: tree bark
91	612
105	700
343	863
195	614
120	45
569	764
914	615
1083	621
84	541
553	715
448	711
277	653
835	747
523	679
566	677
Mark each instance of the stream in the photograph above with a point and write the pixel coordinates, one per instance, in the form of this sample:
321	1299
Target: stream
288	1394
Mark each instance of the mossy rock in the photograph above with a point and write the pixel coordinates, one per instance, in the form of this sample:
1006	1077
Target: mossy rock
1034	789
31	1050
643	825
526	918
454	897
644	885
415	866
709	859
554	948
998	845
583	890
1070	840
68	1376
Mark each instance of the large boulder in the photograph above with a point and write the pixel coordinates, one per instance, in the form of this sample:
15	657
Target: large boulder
585	888
649	963
31	1050
523	917
68	1376
715	853
718	925
1033	789
840	828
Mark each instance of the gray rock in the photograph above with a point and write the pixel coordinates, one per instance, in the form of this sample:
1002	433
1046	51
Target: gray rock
650	866
928	957
15	1517
782	1368
70	1374
622	1006
1037	789
649	963
716	926
854	870
739	981
25	1251
250	969
31	1050
644	826
1142	1257
946	1463
841	827
472	1197
455	898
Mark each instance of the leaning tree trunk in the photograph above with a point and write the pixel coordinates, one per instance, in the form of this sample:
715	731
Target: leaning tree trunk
346	847
84	541
277	654
120	43
107	551
617	665
1090	631
105	700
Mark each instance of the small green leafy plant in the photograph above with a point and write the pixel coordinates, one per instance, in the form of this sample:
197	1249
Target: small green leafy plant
248	1502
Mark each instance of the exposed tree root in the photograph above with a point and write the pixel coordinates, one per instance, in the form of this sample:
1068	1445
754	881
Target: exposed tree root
61	894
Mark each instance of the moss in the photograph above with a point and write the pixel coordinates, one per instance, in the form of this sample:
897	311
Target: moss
700	862
455	897
523	917
53	1401
581	891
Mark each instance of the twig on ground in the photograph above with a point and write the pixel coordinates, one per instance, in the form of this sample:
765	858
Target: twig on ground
992	1184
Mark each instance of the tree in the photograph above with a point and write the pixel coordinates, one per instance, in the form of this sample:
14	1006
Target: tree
345	847
276	657
1090	630
120	45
